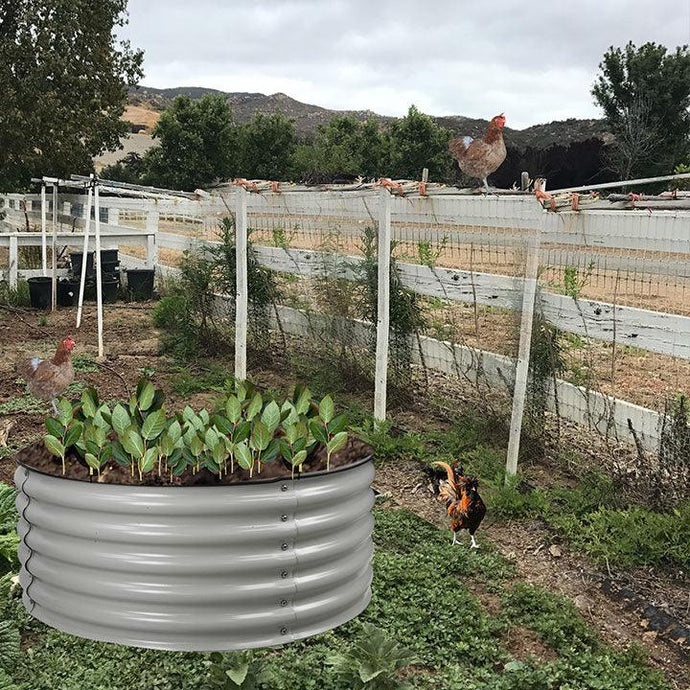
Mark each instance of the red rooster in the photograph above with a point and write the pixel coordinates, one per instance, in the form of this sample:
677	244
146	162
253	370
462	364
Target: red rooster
46	379
463	503
480	157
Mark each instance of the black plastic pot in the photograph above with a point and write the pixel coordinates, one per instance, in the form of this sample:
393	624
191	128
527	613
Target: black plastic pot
41	292
140	283
111	286
109	267
109	256
67	292
75	259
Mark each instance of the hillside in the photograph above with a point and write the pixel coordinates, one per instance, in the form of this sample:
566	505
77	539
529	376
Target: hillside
145	102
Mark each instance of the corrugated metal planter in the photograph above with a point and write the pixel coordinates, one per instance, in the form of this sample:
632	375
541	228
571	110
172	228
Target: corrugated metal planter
197	568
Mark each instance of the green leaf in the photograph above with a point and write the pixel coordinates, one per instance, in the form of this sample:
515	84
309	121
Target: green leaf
303	400
238	673
271	416
242	432
154	424
65	412
243	455
271	452
54	446
89	403
120	454
233	408
92	461
102	417
337	424
73	434
299	458
145	395
120	419
513	666
132	442
174	431
149	460
326	409
254	406
54	427
288	413
204	416
211	438
337	443
368	670
188	414
219	452
318	431
196	446
223	424
261	436
291	434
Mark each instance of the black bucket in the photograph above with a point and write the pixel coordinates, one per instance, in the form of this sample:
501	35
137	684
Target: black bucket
67	292
41	292
75	259
109	256
109	268
111	287
140	283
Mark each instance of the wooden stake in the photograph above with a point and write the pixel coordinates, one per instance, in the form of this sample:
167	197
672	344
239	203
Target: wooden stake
84	256
54	261
522	369
241	291
383	305
99	284
44	243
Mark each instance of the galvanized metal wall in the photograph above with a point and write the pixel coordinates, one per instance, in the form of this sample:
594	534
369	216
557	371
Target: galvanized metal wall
196	568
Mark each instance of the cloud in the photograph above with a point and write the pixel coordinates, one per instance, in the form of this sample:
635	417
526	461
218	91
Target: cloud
535	62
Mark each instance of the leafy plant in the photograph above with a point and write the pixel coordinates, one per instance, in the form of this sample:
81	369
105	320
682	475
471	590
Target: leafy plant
373	662
244	429
237	670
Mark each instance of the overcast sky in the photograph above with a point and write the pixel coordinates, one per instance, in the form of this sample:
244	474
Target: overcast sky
535	61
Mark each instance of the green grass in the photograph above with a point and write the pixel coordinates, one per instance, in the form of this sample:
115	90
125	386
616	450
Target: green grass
84	363
26	404
422	598
204	377
593	515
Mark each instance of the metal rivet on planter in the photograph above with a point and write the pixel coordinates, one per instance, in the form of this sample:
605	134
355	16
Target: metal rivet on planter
283	631
284	487
284	546
283	573
283	602
283	517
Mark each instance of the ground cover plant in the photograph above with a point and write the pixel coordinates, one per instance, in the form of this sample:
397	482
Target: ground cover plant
425	628
518	523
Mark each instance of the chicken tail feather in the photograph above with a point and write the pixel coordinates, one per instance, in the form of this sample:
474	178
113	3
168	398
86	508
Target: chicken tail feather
448	469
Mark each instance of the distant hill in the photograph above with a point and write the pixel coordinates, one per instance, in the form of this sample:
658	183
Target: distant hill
308	117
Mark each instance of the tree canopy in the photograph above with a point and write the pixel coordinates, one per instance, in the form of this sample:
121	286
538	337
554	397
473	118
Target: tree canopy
645	95
198	143
64	76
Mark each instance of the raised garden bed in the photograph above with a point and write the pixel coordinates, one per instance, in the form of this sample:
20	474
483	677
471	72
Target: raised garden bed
210	561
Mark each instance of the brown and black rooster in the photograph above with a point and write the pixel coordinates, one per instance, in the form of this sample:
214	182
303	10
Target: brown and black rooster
460	495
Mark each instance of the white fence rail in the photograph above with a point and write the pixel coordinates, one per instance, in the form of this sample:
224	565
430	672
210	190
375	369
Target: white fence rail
659	243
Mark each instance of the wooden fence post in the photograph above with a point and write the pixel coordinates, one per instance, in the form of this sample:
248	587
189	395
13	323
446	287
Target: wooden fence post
54	248
44	243
14	261
242	289
383	305
522	368
524	181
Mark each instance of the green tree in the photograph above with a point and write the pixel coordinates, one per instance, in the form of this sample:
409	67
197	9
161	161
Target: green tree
64	79
645	95
198	144
345	146
266	147
418	142
132	168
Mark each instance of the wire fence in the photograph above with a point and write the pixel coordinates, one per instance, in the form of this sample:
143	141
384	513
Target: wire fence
610	342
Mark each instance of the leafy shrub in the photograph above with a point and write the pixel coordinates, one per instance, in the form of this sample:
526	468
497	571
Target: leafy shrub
237	670
373	662
15	297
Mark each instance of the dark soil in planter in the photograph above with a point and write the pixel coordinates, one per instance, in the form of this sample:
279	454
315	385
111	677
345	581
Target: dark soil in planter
37	457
